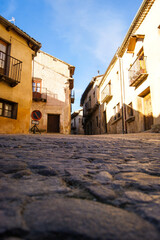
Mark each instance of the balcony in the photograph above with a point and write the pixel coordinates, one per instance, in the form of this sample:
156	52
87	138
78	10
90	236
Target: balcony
10	69
38	96
87	108
138	72
106	95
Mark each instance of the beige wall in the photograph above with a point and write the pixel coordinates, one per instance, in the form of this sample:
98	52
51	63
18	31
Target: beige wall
150	43
22	93
54	74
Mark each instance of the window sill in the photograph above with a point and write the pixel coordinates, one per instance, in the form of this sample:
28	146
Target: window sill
116	120
130	119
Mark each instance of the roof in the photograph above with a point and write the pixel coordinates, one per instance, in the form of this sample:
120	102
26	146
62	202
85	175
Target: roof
32	43
76	113
137	21
88	88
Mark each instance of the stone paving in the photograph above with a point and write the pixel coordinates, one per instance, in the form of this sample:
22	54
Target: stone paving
80	187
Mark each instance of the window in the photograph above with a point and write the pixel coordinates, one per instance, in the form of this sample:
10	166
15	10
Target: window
37	85
3	51
94	94
130	110
8	109
116	111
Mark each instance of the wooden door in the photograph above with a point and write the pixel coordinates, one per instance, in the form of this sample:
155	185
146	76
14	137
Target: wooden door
148	115
53	123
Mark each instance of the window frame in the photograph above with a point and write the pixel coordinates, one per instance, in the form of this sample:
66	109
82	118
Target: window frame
4	70
8	109
36	82
130	112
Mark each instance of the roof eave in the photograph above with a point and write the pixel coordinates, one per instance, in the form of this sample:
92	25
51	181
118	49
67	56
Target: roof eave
32	43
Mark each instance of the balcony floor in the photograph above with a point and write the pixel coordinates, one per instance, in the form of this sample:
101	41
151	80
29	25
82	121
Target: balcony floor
8	80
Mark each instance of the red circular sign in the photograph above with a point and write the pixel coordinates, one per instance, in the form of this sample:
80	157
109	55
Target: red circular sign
36	115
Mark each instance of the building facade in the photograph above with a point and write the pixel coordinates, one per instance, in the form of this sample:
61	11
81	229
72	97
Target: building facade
129	90
77	122
91	107
52	85
17	49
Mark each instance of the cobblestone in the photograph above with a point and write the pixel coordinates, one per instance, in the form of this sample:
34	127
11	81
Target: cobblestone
80	187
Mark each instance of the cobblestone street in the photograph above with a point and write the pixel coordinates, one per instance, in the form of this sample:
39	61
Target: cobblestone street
80	187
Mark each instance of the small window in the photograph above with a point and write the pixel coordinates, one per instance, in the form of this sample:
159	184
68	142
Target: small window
130	110
37	85
114	112
118	110
118	107
8	109
94	94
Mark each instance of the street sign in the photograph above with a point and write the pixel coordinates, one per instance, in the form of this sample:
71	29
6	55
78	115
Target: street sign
36	115
35	122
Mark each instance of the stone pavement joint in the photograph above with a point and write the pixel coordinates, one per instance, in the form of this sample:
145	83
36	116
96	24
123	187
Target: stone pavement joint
80	187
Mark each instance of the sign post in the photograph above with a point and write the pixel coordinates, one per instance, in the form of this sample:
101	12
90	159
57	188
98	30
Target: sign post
36	116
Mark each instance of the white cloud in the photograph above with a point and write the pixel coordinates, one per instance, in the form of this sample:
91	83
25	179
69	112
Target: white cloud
87	27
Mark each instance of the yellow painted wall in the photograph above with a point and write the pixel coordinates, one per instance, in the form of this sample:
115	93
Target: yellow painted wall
21	93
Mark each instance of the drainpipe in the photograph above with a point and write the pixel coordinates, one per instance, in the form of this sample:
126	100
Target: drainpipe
121	77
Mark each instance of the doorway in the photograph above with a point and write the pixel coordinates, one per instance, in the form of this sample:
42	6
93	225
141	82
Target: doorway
148	115
105	121
53	123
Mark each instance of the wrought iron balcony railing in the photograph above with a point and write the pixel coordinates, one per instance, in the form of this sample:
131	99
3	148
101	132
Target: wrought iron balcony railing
10	69
106	95
39	94
138	72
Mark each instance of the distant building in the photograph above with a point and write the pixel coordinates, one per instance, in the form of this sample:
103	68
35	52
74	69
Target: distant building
52	86
17	49
77	122
91	107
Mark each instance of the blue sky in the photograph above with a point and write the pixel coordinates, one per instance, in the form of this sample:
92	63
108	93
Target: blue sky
83	33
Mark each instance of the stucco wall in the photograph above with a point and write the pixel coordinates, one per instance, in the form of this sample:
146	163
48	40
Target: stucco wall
22	93
54	74
135	95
